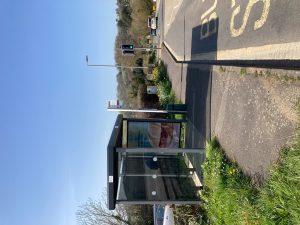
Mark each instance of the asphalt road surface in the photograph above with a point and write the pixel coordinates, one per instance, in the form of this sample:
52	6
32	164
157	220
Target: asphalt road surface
231	30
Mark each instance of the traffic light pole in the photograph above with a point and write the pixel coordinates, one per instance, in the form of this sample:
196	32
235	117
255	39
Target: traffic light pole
128	49
145	49
116	66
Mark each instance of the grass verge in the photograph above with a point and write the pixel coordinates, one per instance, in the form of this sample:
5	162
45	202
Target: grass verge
230	198
228	195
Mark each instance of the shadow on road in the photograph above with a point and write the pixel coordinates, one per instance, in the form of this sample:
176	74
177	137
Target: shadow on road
198	86
205	40
198	92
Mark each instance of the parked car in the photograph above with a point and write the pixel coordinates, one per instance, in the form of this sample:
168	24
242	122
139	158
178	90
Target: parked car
152	32
152	22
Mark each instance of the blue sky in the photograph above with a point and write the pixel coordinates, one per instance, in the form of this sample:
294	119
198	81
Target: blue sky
54	124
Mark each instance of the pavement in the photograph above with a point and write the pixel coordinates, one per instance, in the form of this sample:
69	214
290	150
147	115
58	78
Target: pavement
253	117
251	111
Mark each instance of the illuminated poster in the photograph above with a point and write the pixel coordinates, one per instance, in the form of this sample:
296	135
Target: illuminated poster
153	135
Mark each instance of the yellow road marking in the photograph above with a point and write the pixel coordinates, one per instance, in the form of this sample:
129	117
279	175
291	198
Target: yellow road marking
235	32
232	3
205	22
210	10
290	51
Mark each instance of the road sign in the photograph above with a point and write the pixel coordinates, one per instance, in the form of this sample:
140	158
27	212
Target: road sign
128	52
115	104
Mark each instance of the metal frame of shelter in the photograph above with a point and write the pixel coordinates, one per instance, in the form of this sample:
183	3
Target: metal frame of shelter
147	175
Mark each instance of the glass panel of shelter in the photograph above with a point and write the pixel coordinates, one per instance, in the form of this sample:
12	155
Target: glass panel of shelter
156	176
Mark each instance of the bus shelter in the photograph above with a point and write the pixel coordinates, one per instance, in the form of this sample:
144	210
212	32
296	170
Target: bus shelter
147	165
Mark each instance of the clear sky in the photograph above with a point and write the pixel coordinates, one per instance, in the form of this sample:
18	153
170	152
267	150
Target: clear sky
54	127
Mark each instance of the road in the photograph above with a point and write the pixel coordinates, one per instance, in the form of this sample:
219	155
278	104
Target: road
231	30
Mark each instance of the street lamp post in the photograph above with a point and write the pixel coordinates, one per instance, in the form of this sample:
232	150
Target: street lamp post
116	66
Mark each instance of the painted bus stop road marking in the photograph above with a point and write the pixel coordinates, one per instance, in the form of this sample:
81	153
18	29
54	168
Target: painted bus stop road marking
235	29
171	12
258	23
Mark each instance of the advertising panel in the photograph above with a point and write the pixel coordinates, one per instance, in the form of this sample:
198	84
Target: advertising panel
153	135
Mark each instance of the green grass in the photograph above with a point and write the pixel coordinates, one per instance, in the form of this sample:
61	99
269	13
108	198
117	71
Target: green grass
279	199
182	135
229	197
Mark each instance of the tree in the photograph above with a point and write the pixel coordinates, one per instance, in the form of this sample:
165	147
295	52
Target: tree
95	212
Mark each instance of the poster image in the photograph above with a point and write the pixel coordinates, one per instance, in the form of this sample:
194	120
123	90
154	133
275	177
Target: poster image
153	135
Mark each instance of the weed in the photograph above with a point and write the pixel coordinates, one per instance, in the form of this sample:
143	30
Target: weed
243	71
222	69
268	73
182	133
152	57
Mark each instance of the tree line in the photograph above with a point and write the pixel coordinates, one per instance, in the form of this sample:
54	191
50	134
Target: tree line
132	29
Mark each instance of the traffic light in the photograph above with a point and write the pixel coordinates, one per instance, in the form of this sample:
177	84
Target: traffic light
127	47
128	52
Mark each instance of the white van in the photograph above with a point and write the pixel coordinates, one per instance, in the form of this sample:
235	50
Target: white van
152	22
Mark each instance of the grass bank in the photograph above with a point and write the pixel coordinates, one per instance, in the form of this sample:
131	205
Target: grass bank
230	198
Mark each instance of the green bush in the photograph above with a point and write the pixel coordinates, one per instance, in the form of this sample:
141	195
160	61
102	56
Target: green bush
164	89
162	73
161	79
152	58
